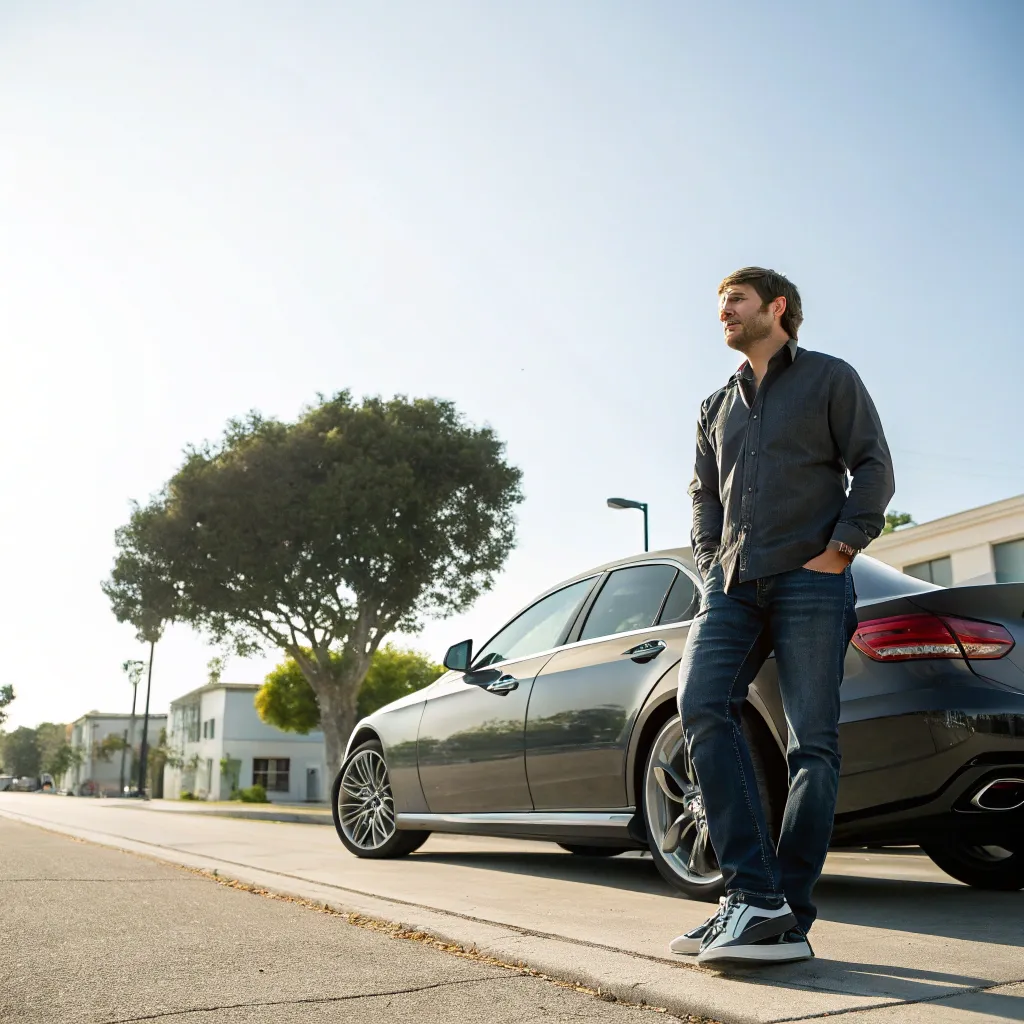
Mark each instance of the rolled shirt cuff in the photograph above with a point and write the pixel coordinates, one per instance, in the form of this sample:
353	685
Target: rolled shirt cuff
850	534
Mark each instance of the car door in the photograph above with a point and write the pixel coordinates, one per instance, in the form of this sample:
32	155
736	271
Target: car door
587	696
470	747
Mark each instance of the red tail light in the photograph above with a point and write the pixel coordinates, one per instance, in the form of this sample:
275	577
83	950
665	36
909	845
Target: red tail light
909	637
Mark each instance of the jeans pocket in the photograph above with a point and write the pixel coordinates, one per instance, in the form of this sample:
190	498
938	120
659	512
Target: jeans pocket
818	572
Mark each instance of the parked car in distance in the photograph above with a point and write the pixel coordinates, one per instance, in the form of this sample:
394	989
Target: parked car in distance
563	727
6	782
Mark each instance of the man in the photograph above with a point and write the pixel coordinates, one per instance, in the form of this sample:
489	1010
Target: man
774	533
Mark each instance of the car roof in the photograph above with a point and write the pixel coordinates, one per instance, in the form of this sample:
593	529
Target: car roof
682	555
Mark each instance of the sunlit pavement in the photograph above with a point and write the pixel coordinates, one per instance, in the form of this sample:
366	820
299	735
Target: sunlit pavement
897	939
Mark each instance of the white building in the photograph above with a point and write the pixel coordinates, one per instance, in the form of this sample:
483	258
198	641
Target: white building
101	774
981	545
222	745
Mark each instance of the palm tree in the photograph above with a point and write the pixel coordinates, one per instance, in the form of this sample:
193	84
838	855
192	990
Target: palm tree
132	669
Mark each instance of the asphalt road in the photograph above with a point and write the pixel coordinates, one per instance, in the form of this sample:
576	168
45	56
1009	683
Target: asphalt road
897	941
88	933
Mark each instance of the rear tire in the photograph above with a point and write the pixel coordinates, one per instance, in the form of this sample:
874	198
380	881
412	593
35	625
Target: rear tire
691	866
999	866
594	851
364	808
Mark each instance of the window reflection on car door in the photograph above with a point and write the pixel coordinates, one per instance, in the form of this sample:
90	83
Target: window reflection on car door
587	696
470	746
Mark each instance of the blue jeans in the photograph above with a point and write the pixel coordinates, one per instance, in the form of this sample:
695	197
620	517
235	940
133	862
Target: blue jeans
808	618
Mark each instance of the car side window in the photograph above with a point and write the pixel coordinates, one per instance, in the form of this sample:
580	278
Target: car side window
630	599
539	628
682	601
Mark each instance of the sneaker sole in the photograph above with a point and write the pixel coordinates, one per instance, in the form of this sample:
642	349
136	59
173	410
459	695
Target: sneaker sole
775	954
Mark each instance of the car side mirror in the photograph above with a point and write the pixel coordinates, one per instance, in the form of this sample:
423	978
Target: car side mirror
459	656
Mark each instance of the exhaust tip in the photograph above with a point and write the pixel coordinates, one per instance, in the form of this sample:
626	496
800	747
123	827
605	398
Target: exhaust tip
1000	795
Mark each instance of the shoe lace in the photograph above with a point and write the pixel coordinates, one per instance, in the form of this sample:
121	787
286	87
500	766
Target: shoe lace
720	921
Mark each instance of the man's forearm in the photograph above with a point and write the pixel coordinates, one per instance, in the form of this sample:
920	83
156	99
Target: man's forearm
857	429
706	535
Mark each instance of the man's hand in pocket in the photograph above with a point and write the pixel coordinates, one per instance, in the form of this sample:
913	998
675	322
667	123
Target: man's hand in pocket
828	561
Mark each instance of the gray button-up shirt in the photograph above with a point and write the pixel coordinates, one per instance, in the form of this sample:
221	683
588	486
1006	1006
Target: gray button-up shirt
769	485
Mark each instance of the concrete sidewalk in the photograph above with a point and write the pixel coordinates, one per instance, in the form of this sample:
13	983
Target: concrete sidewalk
898	941
303	814
94	934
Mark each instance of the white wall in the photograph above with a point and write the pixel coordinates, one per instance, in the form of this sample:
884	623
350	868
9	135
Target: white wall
240	735
106	775
965	538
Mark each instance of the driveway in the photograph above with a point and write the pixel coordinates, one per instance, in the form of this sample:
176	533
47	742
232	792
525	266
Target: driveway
898	941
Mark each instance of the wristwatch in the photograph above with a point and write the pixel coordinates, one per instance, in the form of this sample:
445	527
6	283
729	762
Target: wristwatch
842	548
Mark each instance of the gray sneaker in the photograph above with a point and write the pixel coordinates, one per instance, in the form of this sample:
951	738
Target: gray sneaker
748	929
688	944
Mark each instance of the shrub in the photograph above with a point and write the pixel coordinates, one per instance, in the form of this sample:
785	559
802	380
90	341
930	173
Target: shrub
253	795
188	795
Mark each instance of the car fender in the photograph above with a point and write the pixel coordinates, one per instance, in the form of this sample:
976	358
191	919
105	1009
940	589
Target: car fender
661	704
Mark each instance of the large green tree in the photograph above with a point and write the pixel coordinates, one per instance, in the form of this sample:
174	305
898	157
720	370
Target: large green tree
21	752
324	535
50	737
287	700
6	697
62	759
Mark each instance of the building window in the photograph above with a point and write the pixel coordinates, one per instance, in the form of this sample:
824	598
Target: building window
938	570
271	773
211	729
205	724
208	729
190	722
1009	559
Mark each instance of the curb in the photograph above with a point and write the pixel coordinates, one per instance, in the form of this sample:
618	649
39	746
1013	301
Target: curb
681	988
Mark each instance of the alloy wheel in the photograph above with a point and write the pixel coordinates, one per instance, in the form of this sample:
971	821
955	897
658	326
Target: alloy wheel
366	808
676	822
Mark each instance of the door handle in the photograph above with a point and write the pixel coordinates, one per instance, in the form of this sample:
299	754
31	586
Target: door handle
506	684
647	651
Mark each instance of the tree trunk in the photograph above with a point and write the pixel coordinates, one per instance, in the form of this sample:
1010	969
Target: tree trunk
336	694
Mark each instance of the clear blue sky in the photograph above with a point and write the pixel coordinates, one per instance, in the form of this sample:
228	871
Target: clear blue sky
206	208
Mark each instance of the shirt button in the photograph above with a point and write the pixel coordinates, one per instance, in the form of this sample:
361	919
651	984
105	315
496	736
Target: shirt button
753	453
750	489
755	415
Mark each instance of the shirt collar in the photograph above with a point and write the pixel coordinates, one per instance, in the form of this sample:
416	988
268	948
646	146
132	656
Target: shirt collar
787	354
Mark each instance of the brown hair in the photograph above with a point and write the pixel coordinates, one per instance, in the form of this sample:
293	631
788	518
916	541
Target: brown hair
770	285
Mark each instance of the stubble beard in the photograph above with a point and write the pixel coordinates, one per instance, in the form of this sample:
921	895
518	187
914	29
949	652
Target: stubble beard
755	329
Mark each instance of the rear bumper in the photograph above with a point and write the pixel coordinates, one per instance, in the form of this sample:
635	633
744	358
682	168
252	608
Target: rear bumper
932	793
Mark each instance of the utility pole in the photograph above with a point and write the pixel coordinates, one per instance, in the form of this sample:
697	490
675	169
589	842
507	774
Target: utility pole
145	726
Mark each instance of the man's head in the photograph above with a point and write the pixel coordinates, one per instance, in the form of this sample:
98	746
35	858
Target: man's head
755	304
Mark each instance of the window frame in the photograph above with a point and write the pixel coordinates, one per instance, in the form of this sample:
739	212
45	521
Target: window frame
266	773
604	583
930	562
698	593
570	637
996	572
566	631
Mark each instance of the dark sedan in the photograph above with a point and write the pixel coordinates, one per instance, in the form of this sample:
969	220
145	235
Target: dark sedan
563	727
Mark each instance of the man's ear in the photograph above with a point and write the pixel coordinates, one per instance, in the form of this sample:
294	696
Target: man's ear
779	306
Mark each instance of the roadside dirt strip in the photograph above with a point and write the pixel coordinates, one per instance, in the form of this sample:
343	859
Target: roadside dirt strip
897	942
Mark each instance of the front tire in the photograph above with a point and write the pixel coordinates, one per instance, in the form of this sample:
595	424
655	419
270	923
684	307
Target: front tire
364	807
999	867
674	810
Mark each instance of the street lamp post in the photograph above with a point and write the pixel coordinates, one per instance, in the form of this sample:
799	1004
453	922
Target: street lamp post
143	751
628	503
133	669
